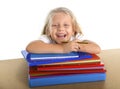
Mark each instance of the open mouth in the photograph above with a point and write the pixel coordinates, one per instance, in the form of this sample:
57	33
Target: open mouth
61	35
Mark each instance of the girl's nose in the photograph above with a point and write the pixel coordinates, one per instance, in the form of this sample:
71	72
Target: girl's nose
60	28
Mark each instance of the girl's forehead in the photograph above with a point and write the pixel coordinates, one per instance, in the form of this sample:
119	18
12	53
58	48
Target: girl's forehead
60	15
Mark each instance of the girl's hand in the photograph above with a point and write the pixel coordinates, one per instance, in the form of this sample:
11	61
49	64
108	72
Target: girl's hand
71	46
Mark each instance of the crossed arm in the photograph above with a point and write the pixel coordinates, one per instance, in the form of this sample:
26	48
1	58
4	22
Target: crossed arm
75	45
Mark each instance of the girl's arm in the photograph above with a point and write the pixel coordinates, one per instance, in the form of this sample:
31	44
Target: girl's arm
90	47
39	46
82	46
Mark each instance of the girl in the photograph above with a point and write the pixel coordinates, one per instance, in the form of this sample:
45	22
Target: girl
62	34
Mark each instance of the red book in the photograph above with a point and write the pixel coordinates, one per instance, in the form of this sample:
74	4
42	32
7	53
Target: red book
47	73
71	67
38	68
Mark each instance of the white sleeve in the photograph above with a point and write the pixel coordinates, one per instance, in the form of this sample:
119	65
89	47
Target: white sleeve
45	39
81	37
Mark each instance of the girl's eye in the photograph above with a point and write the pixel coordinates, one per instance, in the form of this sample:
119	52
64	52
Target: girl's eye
57	26
54	25
66	25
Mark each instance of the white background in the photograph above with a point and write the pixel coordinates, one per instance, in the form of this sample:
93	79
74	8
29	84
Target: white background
21	21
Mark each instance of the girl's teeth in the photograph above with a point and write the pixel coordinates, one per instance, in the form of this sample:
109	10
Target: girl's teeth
61	35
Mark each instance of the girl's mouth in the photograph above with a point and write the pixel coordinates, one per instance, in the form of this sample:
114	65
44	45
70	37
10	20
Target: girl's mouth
61	35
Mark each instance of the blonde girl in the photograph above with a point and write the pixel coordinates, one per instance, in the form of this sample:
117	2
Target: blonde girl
62	34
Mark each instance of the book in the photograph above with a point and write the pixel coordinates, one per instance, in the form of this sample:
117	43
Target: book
47	73
69	67
80	56
65	67
93	59
67	73
54	56
66	79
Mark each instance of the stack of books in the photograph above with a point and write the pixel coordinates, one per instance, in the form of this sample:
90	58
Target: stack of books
63	68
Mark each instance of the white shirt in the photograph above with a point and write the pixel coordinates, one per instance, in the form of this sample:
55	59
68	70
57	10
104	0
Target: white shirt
47	39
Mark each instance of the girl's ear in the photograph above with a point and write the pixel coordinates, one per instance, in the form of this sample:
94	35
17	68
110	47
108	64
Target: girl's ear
48	33
73	33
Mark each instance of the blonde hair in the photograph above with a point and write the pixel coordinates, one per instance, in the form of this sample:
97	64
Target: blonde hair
51	14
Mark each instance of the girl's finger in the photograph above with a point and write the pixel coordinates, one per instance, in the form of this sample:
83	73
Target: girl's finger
76	48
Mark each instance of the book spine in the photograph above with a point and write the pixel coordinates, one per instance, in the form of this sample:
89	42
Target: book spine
75	78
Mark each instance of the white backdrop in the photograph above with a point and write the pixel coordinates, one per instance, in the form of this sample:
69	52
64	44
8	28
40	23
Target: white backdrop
21	21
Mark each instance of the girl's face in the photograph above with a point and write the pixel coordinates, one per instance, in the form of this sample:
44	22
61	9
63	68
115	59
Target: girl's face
61	28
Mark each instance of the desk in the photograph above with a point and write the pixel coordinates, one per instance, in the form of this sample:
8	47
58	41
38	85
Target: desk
13	74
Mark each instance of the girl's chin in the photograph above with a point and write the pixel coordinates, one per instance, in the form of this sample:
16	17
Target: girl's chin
59	42
63	41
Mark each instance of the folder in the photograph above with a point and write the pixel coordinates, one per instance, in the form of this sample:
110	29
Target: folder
79	56
66	79
54	56
48	73
67	67
93	59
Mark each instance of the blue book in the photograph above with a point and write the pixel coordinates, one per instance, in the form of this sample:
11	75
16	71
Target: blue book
71	56
66	79
54	56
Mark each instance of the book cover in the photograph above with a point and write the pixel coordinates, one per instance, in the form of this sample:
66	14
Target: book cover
47	73
42	62
94	59
83	64
54	56
67	67
66	79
